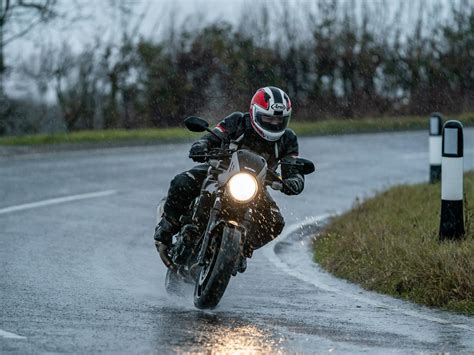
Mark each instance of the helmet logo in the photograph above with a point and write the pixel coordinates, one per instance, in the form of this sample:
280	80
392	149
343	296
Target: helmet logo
278	107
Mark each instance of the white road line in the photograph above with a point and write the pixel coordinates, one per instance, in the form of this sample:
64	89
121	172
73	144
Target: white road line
9	335
311	279
55	201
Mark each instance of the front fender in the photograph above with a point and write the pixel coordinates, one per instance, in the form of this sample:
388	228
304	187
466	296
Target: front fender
220	226
231	224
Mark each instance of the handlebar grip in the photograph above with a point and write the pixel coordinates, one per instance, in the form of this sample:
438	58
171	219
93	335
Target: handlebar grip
198	156
276	185
288	187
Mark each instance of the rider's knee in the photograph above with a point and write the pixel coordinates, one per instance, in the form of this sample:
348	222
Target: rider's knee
182	181
278	224
263	235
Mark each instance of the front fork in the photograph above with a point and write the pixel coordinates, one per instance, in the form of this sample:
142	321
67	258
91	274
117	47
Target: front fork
210	226
213	224
246	226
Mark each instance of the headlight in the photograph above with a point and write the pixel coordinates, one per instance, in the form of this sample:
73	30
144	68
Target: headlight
243	187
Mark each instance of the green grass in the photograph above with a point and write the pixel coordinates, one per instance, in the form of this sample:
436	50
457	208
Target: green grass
327	127
389	244
113	135
370	125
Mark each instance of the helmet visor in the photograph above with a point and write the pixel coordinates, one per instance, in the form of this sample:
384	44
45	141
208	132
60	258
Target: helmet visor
272	123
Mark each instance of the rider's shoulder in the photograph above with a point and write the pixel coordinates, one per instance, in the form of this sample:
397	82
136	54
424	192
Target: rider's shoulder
234	116
234	122
289	134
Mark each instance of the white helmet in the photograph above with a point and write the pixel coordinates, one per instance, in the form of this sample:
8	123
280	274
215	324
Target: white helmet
270	112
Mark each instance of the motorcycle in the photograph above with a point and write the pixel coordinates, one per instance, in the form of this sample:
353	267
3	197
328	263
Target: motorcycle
206	252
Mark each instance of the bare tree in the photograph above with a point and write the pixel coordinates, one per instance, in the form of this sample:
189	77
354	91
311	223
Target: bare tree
17	18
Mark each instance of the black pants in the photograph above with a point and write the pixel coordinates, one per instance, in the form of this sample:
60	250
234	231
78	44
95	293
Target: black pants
185	187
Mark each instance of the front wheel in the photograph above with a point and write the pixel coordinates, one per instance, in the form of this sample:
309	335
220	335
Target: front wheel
214	277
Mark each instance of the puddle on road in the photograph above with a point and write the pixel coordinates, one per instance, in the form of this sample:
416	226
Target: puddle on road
203	332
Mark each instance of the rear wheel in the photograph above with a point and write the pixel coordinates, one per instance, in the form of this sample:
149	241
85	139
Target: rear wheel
214	277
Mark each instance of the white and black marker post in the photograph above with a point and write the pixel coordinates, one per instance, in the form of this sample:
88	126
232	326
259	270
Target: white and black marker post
452	216
436	128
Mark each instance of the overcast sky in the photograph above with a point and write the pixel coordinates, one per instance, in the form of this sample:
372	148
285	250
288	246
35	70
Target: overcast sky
100	18
97	18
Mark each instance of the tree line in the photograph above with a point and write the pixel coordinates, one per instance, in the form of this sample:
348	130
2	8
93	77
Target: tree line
334	60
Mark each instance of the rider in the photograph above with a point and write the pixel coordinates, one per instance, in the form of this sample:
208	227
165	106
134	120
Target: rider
263	130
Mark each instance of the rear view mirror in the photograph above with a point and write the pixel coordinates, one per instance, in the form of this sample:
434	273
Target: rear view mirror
304	166
307	166
196	124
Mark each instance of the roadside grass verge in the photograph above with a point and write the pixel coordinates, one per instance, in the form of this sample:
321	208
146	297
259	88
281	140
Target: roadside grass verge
112	135
318	128
389	244
371	125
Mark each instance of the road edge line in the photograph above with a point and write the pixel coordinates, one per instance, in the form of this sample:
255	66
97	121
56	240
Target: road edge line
8	335
272	256
55	201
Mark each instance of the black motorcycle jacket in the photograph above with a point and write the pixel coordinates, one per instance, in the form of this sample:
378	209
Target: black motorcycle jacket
238	128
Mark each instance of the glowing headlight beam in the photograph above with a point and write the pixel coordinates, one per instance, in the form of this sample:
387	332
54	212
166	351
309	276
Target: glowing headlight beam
243	187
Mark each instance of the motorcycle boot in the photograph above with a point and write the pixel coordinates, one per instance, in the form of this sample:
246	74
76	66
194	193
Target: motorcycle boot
164	231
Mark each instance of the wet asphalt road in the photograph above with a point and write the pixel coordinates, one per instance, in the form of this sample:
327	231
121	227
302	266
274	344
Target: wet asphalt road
83	275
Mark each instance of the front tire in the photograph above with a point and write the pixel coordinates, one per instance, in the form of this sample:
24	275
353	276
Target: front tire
214	277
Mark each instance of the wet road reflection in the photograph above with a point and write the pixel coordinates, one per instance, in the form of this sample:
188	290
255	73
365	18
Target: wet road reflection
112	299
190	331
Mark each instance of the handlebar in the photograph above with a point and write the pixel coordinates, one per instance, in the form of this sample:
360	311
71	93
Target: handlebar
210	156
279	181
276	182
214	153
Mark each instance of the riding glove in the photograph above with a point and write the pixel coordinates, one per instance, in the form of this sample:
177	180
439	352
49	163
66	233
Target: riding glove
198	148
293	185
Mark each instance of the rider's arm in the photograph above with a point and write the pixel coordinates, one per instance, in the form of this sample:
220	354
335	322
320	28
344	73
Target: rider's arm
291	175
225	129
